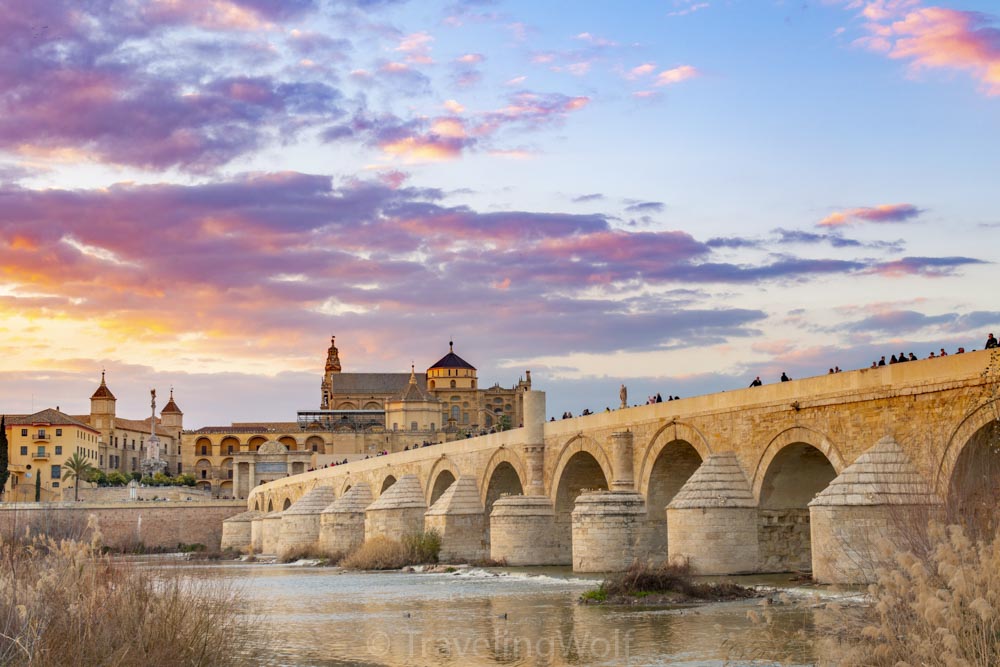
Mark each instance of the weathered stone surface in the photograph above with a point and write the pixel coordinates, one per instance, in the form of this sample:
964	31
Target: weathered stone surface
237	531
398	512
522	532
884	475
300	523
342	523
459	518
718	482
712	521
271	533
879	504
607	527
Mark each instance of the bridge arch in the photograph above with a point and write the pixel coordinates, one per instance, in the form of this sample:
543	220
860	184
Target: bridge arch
673	454
345	486
286	504
582	465
796	465
972	458
443	474
576	445
387	481
790	436
504	474
966	430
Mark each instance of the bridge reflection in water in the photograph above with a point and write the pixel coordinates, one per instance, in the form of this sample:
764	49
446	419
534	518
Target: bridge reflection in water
793	476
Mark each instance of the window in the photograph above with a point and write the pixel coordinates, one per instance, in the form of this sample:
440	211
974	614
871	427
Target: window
58	450
24	432
55	485
413	426
178	468
56	472
230	471
465	417
24	451
453	384
455	412
101	460
395	426
229	449
204	450
58	432
204	474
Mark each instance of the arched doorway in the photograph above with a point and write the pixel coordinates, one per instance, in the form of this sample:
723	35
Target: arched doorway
581	472
444	479
975	483
793	478
675	463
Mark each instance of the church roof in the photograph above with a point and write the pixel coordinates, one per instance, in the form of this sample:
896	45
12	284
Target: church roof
372	383
102	391
414	391
452	360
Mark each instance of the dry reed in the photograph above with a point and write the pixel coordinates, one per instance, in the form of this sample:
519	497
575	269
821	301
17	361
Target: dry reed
62	603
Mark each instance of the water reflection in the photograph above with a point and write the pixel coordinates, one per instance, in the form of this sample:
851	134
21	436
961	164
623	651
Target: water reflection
322	617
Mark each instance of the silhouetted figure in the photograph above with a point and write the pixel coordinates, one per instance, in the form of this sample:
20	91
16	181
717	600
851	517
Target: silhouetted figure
943	353
881	362
784	377
830	372
913	357
756	382
659	399
991	342
961	350
892	360
902	358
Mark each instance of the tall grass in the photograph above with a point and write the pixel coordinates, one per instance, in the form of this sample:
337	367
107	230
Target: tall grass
62	603
942	610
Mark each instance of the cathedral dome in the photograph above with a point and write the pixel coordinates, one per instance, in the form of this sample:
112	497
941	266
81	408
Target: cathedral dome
452	360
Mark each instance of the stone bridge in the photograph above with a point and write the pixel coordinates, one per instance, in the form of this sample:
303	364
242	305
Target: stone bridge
803	475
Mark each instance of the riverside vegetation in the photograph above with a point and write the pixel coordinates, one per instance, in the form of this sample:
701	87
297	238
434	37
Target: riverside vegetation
64	603
668	583
380	553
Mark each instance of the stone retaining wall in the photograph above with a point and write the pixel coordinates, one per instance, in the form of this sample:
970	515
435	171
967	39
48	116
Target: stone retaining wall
123	525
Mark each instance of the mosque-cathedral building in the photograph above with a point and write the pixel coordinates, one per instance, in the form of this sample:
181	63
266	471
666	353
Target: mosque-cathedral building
359	415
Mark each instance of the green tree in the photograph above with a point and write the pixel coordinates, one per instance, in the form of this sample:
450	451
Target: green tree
78	468
186	479
4	460
117	479
38	486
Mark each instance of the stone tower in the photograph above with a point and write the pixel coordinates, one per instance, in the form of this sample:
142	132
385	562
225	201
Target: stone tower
102	409
332	366
171	417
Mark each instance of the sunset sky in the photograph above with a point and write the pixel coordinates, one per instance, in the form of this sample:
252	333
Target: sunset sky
675	194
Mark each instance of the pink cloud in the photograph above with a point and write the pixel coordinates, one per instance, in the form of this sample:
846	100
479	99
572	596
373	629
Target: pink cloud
881	213
417	48
676	75
470	58
934	38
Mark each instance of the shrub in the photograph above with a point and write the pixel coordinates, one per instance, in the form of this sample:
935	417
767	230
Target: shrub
423	547
310	552
379	553
642	579
116	479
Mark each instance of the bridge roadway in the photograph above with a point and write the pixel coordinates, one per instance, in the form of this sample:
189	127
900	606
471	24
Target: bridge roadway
756	476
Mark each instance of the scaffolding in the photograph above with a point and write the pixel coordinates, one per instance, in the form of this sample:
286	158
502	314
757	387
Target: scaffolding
356	421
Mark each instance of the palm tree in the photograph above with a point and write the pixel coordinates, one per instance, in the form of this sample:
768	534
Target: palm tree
78	468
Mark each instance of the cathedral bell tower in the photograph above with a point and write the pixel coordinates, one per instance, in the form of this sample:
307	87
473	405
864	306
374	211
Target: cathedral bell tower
332	366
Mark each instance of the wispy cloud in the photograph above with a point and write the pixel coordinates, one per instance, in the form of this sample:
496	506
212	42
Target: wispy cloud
882	213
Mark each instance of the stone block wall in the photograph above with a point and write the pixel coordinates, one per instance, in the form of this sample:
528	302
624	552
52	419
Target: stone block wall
714	540
783	540
126	525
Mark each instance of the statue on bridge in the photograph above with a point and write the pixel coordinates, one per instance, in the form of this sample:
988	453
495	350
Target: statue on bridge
623	395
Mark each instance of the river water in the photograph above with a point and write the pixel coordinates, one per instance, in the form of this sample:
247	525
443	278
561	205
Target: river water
326	617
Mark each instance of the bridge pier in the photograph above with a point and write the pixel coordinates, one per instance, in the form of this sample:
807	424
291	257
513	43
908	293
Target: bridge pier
880	499
342	523
522	532
712	521
270	533
608	527
257	534
458	517
398	512
607	530
237	531
300	523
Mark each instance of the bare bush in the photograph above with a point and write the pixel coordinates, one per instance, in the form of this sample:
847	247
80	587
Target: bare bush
381	553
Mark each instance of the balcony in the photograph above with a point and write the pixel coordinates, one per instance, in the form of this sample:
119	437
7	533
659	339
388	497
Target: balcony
42	436
40	454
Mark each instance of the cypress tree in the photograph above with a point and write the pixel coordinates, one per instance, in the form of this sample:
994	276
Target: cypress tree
38	485
4	455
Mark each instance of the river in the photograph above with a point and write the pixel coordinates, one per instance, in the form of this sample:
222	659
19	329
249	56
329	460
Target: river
326	617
